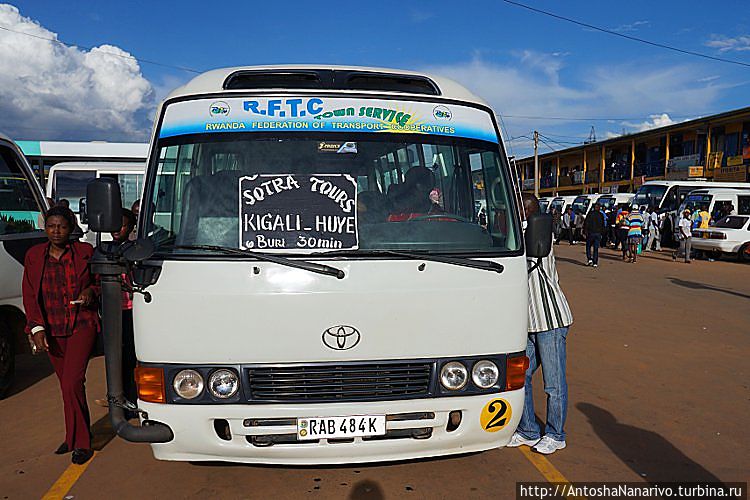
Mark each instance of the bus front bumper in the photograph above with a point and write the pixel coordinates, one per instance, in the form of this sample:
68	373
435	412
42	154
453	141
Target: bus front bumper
267	433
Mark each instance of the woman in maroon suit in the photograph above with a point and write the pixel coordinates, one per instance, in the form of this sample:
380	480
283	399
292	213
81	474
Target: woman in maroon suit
59	296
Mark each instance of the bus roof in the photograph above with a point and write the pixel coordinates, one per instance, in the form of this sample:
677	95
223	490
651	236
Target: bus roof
98	165
705	183
96	149
215	81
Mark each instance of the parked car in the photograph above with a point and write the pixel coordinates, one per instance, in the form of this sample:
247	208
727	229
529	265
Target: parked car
730	235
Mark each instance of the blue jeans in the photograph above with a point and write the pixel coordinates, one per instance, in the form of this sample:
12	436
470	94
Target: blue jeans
593	240
546	349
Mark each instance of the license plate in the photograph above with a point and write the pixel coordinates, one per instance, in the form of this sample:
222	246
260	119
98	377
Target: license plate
340	427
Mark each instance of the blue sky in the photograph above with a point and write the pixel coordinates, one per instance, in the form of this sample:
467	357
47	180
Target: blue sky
524	64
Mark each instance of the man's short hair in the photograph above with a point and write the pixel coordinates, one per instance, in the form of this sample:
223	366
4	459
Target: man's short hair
129	215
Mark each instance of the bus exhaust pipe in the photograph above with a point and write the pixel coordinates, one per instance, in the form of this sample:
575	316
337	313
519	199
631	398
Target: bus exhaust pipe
150	431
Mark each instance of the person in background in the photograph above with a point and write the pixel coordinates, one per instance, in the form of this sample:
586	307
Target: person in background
128	343
60	298
685	235
621	229
646	229
556	224
634	224
578	223
549	321
594	227
704	218
655	231
135	208
605	234
567	225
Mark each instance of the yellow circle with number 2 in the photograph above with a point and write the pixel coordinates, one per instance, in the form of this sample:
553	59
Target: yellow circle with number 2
495	415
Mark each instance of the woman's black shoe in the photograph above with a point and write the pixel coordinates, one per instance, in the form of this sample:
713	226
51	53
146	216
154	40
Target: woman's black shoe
81	455
62	449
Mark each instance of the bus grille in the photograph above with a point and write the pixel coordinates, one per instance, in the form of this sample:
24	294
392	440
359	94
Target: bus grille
347	382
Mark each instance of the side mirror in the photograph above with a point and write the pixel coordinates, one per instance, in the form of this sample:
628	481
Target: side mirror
104	205
82	212
538	235
138	250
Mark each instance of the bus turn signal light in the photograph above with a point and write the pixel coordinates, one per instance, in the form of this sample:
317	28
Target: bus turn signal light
515	373
150	383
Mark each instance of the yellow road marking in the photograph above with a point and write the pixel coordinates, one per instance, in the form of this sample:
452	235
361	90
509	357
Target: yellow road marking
66	481
549	471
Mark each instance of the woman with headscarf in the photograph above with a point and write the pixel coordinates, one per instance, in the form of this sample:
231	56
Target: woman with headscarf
59	295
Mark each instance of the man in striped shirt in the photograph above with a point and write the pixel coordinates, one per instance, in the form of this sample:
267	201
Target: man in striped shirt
549	319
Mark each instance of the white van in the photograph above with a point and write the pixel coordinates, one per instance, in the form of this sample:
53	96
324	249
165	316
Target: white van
320	281
667	196
22	206
614	201
544	204
561	203
717	201
68	180
584	202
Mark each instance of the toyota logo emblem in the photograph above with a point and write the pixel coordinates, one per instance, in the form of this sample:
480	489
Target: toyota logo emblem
341	337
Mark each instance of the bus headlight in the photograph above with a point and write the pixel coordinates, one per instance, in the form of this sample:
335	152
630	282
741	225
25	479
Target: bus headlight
454	376
188	384
485	374
223	384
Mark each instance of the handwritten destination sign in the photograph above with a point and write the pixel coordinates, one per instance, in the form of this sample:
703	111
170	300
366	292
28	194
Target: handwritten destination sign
289	212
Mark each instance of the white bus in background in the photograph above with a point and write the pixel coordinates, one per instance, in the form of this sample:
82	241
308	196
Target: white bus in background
22	206
716	201
320	280
667	196
561	203
583	203
67	181
43	155
615	201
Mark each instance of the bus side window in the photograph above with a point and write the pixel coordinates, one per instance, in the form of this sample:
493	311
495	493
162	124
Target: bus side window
19	211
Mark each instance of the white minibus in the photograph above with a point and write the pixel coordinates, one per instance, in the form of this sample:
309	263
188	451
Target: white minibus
718	202
22	206
583	203
561	203
318	287
667	196
68	180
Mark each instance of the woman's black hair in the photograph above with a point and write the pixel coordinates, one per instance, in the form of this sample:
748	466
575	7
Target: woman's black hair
63	212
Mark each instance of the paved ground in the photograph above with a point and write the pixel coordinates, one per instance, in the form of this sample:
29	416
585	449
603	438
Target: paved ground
659	386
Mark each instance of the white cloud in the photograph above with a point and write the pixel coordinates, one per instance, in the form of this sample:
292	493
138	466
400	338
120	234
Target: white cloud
725	44
537	85
50	91
629	28
654	121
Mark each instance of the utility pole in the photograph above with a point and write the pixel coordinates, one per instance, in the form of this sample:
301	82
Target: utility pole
536	164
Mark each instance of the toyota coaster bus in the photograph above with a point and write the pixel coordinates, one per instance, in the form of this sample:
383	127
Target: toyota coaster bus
315	285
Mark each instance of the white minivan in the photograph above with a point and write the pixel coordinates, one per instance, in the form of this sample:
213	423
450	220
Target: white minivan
22	206
718	202
319	287
68	180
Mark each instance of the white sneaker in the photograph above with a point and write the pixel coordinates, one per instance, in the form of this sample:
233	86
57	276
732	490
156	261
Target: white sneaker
596	265
590	263
547	446
518	440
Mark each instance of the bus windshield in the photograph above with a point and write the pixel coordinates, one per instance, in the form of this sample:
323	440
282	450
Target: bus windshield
695	202
581	204
649	195
305	193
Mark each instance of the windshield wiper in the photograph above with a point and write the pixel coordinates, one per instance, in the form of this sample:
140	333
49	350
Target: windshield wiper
299	264
485	265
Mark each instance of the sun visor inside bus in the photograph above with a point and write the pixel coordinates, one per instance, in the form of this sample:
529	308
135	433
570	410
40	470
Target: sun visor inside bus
331	80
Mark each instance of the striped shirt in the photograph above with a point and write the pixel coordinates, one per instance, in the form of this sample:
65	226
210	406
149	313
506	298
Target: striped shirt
548	307
634	221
